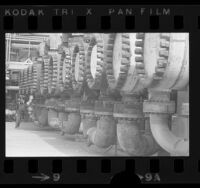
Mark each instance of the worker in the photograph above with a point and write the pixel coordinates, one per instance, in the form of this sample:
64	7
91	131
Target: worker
21	108
30	107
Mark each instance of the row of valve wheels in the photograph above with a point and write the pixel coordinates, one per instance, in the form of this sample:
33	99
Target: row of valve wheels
125	62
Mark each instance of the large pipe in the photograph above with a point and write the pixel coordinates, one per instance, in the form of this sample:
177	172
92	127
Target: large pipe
133	130
135	141
159	124
165	138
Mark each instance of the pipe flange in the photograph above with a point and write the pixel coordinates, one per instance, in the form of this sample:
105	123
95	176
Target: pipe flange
35	78
72	106
53	73
41	79
163	55
21	82
72	109
60	84
67	78
78	67
103	113
104	108
185	109
87	107
124	60
90	116
25	81
30	79
139	54
50	75
168	63
126	120
60	107
104	116
128	115
96	45
158	107
46	60
128	110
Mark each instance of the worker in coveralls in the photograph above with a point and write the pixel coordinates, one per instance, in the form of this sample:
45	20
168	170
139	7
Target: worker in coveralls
21	108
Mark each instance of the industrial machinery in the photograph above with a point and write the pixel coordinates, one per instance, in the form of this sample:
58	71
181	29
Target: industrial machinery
124	89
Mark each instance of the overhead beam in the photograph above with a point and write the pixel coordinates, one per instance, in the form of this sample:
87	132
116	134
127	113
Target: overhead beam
14	65
12	87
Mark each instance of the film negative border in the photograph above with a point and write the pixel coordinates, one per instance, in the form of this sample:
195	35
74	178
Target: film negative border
107	18
106	23
102	170
71	170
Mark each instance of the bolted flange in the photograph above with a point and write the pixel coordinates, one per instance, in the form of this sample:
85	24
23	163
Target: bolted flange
159	107
104	108
95	61
78	67
87	107
129	108
73	105
88	120
185	109
122	110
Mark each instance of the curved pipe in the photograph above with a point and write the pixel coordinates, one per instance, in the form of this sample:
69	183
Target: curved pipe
165	138
159	124
104	134
135	141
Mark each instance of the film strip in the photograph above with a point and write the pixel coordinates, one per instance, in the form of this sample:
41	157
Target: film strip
102	19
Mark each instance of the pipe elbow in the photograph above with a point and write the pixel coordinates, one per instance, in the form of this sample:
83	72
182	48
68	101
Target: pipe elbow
134	141
165	138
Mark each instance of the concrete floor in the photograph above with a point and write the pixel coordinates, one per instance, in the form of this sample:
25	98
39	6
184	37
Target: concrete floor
31	141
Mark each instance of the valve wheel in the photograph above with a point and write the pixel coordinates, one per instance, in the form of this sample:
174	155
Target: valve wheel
30	79
46	60
59	85
55	71
78	67
26	80
52	73
34	77
124	54
162	56
21	83
167	65
117	64
67	71
95	62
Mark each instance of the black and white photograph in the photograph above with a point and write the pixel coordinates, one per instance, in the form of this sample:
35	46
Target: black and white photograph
97	94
